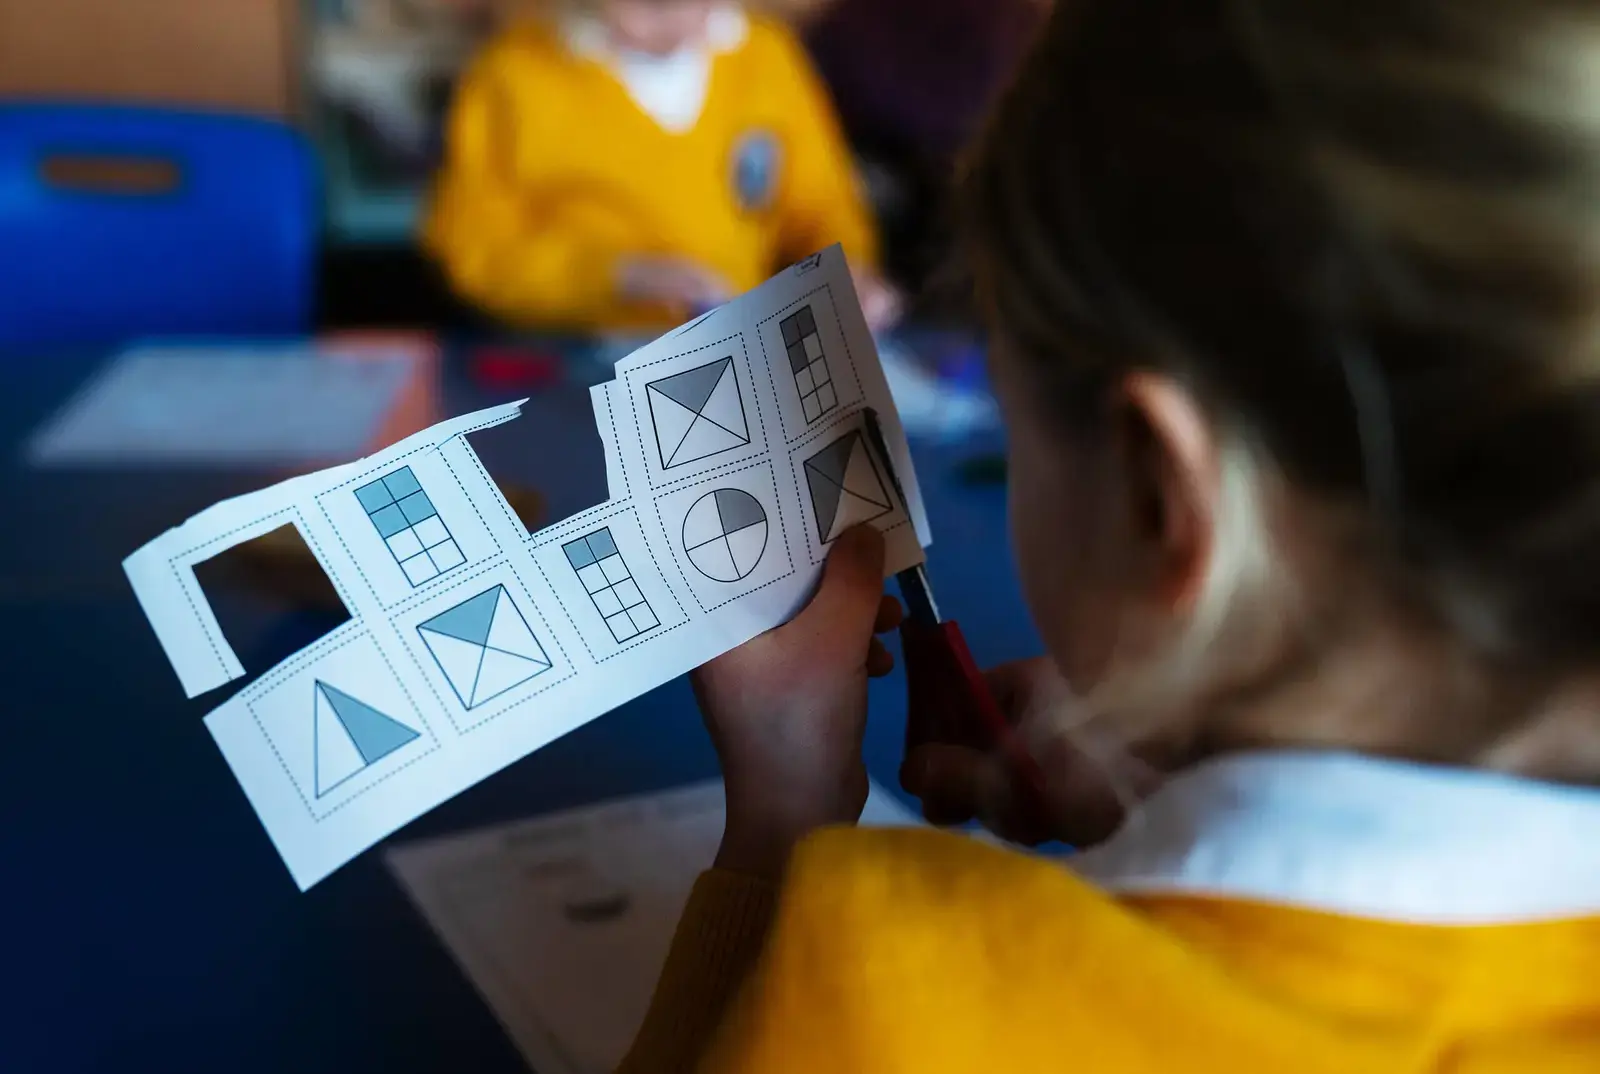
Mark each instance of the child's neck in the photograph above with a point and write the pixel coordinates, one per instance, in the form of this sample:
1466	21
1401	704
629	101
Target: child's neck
1393	691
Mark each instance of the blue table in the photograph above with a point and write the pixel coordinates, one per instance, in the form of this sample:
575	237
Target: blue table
149	924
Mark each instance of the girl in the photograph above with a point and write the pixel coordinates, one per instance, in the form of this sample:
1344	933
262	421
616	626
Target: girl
1297	307
626	164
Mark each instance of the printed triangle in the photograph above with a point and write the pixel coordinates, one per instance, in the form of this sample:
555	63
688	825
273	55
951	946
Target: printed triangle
672	421
852	510
704	440
374	734
510	634
693	387
469	620
336	758
502	671
860	479
724	406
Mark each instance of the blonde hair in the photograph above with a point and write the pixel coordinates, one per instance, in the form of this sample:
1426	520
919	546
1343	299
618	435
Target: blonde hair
1365	235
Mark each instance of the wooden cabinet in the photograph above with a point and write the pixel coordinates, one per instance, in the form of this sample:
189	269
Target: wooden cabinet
231	54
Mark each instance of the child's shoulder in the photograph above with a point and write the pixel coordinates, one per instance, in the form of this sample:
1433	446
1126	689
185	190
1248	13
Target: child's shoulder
528	44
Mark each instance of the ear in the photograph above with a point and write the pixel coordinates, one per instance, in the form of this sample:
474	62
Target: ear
1175	464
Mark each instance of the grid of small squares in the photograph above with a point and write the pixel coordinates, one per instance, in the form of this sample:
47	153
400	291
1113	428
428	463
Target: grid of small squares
408	524
806	361
606	579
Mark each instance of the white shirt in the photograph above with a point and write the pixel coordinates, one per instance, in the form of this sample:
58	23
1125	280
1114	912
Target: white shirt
1361	836
670	89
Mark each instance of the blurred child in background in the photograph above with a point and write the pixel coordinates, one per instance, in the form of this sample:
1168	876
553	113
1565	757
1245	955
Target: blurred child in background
626	164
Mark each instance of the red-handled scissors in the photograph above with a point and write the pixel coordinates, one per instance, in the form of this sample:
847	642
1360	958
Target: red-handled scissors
949	700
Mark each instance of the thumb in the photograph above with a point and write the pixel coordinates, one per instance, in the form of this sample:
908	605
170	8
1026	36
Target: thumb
852	584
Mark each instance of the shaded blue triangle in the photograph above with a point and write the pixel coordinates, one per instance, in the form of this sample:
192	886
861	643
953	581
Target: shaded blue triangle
468	621
375	735
694	387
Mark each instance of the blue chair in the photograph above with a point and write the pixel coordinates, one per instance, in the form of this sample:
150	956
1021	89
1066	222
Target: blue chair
121	222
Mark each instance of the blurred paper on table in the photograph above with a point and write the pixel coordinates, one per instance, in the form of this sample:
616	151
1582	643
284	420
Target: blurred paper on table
563	922
264	404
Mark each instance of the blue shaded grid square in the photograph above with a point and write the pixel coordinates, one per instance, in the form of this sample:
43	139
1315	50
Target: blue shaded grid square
402	483
601	544
578	553
374	497
390	521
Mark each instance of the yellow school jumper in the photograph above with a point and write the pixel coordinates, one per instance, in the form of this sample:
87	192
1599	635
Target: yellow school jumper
560	162
1268	914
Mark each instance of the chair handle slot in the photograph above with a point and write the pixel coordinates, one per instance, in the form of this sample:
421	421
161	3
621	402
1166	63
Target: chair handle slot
110	174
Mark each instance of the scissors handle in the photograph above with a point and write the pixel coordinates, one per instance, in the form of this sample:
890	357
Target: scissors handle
949	702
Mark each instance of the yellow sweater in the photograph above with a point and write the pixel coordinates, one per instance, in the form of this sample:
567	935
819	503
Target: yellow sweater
553	173
924	953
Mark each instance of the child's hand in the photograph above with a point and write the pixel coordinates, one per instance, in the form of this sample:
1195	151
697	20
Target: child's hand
671	281
1086	795
786	711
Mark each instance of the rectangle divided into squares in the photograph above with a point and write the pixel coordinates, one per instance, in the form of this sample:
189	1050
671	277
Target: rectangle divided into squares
808	364
408	524
610	585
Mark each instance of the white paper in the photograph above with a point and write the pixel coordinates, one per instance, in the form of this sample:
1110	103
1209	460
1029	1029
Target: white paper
563	923
238	405
471	642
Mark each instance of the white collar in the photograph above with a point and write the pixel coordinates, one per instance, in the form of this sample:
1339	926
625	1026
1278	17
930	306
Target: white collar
670	89
1365	837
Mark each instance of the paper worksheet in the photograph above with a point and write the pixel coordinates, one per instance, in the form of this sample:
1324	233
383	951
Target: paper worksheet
736	450
562	923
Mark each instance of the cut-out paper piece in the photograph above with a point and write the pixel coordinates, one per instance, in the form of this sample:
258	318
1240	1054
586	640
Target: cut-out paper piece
413	531
845	487
610	585
484	647
350	736
499	634
697	414
808	364
725	534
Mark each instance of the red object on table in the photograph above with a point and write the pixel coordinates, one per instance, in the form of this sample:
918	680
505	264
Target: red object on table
518	366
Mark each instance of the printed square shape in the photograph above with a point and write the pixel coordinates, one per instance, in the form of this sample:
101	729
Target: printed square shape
843	483
608	581
727	534
340	724
485	646
696	411
812	369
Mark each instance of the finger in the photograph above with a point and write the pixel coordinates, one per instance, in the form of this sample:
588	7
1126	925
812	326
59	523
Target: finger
852	586
957	784
890	615
950	781
880	661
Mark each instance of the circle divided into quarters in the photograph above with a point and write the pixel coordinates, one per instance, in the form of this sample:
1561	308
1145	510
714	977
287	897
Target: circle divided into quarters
725	534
